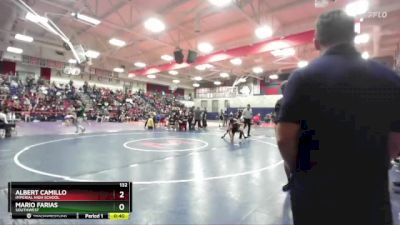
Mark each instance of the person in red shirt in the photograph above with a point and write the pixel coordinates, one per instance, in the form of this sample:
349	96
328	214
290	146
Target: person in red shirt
257	119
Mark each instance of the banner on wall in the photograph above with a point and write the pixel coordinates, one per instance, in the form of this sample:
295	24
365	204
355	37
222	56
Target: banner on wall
256	87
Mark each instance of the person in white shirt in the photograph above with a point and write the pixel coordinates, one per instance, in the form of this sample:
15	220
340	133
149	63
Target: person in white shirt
247	116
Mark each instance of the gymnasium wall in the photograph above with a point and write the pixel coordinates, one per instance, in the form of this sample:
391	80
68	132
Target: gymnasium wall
262	104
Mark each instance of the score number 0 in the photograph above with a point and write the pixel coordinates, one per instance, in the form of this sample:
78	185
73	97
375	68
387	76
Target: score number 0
122	196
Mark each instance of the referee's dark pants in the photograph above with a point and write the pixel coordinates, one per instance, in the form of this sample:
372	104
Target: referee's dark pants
247	122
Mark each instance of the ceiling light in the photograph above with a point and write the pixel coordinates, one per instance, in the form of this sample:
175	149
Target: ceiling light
276	45
117	42
198	78
273	76
205	47
204	67
72	61
361	39
154	25
302	64
284	52
36	19
224	75
196	85
151	76
130	75
217	82
14	50
140	64
258	70
86	18
365	55
92	54
236	61
22	37
173	72
263	32
357	8
357	28
220	3
242	80
167	58
118	70
176	81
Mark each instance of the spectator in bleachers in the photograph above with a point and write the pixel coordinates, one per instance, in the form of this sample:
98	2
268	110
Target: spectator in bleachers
40	100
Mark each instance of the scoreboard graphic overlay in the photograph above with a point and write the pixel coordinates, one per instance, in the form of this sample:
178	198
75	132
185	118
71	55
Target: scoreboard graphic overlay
70	200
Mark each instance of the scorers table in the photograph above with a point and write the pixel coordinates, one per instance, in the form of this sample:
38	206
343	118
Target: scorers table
70	200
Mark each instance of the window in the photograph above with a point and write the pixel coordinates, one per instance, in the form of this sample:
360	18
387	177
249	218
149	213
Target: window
203	104
215	106
226	104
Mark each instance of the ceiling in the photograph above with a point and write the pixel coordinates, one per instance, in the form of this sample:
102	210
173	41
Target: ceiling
188	22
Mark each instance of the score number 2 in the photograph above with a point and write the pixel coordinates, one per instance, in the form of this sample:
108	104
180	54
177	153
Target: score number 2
122	205
122	195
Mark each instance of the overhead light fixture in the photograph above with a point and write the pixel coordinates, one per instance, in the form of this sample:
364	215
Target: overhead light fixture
72	61
361	39
204	67
167	58
357	8
302	64
357	27
242	80
284	52
151	76
258	70
15	50
92	54
22	37
196	85
140	64
154	25
130	75
117	42
365	55
173	72
263	32
36	18
198	78
273	76
220	3
176	81
236	61
205	47
217	82
118	70
86	18
224	75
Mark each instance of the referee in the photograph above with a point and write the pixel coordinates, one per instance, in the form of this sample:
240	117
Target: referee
247	116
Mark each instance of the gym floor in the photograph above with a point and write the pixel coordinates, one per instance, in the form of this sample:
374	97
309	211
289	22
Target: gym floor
179	177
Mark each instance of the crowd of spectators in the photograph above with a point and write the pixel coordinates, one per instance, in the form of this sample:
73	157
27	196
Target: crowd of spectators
33	99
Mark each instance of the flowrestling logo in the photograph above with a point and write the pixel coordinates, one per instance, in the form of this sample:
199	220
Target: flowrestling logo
377	14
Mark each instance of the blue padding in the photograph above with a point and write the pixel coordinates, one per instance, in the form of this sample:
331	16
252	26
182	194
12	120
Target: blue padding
262	111
212	115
